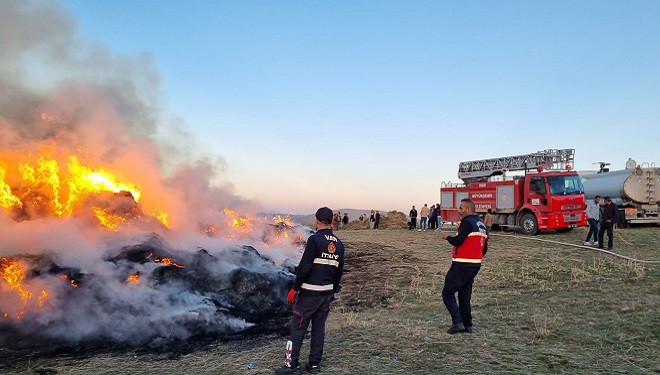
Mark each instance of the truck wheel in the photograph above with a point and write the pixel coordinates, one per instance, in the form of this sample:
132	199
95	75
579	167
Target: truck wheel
564	230
528	225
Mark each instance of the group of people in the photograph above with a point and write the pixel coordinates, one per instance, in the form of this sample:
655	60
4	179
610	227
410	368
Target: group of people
601	219
338	220
429	218
320	270
374	219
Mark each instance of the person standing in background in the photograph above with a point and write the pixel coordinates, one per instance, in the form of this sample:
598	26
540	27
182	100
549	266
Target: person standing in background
593	218
433	218
609	216
424	215
413	218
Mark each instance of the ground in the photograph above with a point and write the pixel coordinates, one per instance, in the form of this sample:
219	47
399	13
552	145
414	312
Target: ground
538	308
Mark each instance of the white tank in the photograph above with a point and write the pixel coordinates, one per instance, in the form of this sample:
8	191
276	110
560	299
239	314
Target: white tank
638	184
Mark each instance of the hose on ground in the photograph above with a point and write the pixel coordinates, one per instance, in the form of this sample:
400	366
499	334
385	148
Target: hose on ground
579	246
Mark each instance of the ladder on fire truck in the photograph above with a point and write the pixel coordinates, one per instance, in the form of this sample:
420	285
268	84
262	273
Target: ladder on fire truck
481	170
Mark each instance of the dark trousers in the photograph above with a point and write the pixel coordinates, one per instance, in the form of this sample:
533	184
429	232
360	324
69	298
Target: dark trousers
605	226
413	221
460	278
593	229
309	308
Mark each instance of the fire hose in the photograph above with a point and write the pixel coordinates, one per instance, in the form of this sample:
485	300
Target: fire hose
579	246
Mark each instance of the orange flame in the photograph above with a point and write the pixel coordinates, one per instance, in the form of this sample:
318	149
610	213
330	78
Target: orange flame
168	262
242	224
284	221
161	217
49	183
42	299
13	274
72	282
133	279
108	220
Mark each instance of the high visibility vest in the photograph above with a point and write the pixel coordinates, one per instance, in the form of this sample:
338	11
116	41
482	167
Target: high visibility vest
472	249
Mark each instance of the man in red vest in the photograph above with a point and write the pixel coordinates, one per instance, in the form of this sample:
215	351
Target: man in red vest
470	244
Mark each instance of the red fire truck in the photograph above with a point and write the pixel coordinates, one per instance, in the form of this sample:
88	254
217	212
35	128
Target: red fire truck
548	196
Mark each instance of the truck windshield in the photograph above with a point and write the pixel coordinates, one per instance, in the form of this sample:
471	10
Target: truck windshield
562	185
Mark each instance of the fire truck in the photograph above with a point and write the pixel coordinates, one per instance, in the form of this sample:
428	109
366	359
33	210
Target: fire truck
547	195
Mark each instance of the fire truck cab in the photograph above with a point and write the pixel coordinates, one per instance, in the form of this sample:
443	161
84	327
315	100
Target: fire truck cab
538	200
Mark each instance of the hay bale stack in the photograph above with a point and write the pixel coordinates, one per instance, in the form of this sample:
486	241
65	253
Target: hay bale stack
356	225
394	220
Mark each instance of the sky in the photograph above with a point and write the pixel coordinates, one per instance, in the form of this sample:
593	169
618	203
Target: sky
373	104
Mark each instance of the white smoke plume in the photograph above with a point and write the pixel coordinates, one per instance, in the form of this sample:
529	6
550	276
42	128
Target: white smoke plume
180	256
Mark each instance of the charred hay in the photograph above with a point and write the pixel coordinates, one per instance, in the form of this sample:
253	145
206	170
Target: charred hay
199	294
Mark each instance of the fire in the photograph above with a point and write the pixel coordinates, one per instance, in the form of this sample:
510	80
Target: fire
52	183
7	198
168	262
13	274
86	180
108	220
72	282
42	299
237	223
284	221
161	217
133	279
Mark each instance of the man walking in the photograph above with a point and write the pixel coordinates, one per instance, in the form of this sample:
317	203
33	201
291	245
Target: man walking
610	213
317	279
593	217
470	244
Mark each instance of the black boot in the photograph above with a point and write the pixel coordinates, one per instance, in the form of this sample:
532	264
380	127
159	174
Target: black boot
286	370
456	328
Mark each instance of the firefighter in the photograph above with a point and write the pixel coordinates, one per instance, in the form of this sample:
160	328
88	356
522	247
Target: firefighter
317	280
470	244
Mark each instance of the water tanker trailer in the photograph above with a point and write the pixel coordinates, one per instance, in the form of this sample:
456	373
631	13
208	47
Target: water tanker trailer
634	190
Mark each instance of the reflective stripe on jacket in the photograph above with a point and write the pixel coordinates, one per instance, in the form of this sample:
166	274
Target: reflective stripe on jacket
472	249
322	263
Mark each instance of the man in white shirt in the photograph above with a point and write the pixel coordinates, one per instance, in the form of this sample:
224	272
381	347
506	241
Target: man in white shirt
593	217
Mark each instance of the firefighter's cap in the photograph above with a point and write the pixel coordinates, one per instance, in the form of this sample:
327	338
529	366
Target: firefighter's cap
324	215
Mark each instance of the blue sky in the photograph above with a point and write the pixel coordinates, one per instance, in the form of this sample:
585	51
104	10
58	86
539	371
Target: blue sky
371	104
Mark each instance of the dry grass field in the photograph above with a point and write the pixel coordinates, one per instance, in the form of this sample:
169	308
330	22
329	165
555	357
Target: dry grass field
539	308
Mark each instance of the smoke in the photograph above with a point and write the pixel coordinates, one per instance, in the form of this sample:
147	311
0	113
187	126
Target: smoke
189	257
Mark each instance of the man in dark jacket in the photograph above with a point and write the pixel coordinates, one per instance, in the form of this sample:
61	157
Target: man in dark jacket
413	218
608	219
317	279
470	244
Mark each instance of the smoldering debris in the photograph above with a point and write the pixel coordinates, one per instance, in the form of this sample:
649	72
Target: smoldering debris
149	294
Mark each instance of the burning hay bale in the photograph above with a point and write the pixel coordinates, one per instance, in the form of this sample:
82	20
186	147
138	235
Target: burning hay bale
147	292
88	167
